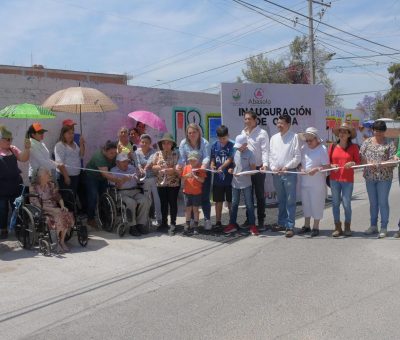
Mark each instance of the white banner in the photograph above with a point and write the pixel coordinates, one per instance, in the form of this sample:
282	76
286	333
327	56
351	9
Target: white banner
304	103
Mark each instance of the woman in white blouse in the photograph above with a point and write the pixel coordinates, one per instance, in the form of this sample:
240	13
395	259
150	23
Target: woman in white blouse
314	158
39	154
67	152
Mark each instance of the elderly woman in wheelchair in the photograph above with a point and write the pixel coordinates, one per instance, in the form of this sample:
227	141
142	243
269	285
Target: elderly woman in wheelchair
58	217
134	205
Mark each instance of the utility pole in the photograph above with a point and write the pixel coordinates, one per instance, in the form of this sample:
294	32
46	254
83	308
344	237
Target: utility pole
311	41
311	36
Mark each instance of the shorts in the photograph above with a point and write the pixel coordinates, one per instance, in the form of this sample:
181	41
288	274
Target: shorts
192	200
222	193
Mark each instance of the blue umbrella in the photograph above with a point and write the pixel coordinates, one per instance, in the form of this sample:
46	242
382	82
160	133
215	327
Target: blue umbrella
368	124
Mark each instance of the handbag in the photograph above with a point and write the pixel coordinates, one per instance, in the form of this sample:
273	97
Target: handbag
328	178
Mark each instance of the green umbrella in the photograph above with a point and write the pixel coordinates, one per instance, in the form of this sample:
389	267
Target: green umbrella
26	111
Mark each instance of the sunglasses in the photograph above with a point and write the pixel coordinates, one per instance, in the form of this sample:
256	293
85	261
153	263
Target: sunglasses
7	139
309	140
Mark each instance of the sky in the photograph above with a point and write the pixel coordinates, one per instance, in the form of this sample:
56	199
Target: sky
195	45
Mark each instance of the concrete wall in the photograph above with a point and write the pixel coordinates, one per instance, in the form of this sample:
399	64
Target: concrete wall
98	127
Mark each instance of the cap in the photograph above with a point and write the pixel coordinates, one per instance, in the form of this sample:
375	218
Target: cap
240	141
122	157
310	131
37	127
145	135
68	122
193	155
4	133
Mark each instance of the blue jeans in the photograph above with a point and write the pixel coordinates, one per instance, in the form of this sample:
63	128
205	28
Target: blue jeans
285	187
341	193
205	197
378	194
248	199
94	187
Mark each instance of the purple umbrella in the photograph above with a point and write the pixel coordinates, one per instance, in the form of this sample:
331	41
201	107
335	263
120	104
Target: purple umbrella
150	119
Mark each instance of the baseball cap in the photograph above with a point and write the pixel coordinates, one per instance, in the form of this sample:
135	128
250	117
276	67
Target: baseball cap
37	127
240	141
122	157
68	122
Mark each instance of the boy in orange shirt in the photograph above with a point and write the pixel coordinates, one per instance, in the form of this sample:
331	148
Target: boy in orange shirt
192	189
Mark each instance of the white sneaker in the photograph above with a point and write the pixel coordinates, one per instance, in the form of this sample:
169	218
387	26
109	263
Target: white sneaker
371	230
207	225
383	233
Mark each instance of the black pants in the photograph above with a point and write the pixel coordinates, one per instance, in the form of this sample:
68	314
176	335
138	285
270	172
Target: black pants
258	181
5	203
168	197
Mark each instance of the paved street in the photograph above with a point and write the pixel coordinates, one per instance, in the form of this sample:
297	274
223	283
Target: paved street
160	287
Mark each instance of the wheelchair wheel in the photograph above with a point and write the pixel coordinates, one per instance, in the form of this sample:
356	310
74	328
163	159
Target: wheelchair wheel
25	229
82	234
107	212
121	229
44	247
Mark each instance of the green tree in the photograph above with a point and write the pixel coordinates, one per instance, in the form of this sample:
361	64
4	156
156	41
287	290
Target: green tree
260	69
393	96
388	105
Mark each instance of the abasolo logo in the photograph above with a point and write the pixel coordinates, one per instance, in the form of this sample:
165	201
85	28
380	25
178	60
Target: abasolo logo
236	94
259	97
259	93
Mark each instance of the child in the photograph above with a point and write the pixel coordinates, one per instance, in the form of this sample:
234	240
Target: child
221	160
192	185
244	160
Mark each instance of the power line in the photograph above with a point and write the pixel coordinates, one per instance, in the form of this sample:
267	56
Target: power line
355	93
246	4
216	40
218	67
366	56
330	26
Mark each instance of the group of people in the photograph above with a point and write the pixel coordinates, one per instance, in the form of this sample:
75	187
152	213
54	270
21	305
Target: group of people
225	167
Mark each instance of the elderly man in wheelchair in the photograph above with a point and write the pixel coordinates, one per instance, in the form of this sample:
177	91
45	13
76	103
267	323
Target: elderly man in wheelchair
137	205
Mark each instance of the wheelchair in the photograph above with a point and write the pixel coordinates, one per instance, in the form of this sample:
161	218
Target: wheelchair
113	213
79	228
31	227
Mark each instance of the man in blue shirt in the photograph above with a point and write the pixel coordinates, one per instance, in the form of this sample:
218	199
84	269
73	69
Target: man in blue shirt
221	158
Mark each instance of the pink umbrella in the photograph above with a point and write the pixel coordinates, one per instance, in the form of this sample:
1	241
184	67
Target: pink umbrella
150	119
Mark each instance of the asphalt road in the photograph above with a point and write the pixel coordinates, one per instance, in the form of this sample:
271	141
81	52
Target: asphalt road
160	287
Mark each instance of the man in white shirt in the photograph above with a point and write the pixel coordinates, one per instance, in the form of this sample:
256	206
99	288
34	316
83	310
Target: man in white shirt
132	196
258	143
285	155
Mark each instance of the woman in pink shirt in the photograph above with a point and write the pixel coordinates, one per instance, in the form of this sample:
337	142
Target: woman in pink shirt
343	154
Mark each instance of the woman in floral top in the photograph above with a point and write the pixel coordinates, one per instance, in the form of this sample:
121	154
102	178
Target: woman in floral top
168	179
58	217
378	178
